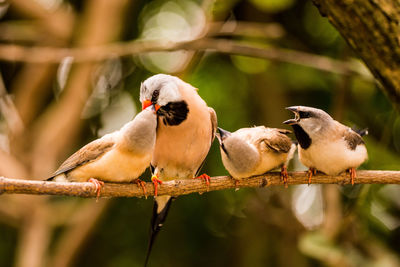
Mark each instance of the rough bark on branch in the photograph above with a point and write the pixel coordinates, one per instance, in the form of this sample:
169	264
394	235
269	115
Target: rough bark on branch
371	28
183	187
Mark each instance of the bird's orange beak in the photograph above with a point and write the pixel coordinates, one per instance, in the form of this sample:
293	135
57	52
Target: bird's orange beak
148	103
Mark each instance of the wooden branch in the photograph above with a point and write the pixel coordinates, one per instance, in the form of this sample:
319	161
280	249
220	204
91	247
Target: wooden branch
183	187
99	53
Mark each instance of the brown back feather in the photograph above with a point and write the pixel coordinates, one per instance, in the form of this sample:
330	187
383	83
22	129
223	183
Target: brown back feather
279	142
89	152
353	139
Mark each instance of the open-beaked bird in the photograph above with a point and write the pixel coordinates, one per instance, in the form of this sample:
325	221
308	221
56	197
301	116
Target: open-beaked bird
186	129
325	144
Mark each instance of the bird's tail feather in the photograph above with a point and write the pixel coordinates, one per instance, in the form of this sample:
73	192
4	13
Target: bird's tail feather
62	177
160	212
361	132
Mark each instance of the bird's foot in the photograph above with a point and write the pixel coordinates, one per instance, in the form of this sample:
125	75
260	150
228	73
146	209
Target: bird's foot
353	174
311	172
284	176
205	177
156	182
98	185
142	184
236	184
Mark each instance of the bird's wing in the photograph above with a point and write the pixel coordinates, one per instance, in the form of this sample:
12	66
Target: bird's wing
276	140
283	131
214	122
352	138
87	153
214	125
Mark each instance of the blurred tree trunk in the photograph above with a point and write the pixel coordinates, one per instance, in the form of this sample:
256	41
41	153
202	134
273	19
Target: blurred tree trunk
371	28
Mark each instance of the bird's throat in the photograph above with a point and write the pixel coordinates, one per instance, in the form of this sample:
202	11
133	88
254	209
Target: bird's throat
302	137
174	113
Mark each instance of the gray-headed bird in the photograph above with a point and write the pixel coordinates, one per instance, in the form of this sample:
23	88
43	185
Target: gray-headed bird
255	151
185	131
325	144
120	156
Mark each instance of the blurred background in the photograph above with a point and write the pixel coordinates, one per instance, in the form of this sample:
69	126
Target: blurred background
49	109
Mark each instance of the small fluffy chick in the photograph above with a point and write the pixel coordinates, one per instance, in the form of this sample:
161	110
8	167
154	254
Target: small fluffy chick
325	144
255	151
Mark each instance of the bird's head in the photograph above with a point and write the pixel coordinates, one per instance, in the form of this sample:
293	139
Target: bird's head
162	91
225	139
311	120
221	135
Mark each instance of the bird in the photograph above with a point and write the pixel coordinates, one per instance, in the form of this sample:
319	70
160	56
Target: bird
325	144
185	132
254	151
120	156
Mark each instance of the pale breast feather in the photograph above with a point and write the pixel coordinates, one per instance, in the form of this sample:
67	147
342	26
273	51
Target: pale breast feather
180	149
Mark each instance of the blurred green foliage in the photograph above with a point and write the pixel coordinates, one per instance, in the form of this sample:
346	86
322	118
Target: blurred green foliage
272	6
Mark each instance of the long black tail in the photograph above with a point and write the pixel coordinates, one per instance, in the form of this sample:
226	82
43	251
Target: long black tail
157	220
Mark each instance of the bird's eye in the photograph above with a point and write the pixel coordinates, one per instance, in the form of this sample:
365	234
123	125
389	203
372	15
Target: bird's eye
304	114
154	96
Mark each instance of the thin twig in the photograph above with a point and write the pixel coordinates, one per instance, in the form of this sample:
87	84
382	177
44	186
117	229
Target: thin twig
99	53
183	187
26	31
246	28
